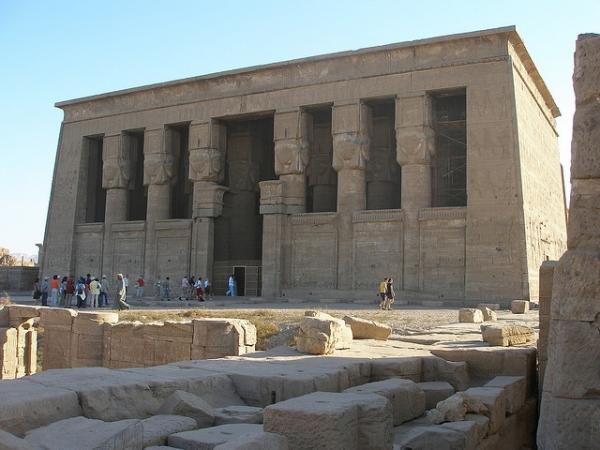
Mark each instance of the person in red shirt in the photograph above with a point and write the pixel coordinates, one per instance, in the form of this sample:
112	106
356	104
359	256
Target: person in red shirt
139	287
54	286
69	292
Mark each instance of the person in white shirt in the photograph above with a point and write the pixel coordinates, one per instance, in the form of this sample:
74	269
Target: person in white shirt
185	288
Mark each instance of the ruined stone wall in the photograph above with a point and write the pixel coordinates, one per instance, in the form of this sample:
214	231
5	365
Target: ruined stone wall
18	278
570	408
18	346
541	177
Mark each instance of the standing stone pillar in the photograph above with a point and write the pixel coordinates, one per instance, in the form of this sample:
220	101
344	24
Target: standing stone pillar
278	198
207	163
159	174
350	128
116	175
570	407
415	141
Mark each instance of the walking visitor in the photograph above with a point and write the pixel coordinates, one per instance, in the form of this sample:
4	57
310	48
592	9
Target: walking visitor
139	287
103	299
121	293
382	291
54	287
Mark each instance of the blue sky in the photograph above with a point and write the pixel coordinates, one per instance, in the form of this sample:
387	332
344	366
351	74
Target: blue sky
58	50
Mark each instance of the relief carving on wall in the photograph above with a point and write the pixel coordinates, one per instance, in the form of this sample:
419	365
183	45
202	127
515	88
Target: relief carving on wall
206	164
350	151
291	156
414	145
271	192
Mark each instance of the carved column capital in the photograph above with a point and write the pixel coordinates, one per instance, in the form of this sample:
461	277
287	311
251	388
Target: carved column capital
159	168
351	129
414	145
207	164
208	199
116	164
291	156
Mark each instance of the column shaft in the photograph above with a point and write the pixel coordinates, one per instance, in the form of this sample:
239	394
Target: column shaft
116	205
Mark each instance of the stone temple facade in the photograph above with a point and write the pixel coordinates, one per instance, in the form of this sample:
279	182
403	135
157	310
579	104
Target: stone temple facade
434	161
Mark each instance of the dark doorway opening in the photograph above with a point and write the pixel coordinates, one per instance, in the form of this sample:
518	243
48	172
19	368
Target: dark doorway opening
136	203
95	201
239	274
182	191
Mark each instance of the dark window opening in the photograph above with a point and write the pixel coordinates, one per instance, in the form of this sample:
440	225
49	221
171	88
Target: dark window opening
383	171
321	186
449	164
182	191
136	203
95	201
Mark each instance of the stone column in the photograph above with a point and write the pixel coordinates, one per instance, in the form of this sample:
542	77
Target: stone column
570	407
159	174
207	163
279	198
414	147
116	175
350	128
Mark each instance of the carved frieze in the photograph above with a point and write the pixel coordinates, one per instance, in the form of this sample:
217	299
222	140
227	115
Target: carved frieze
272	192
208	199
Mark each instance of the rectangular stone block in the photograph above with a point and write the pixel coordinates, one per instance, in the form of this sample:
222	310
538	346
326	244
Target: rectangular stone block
331	421
519	306
57	318
515	388
217	333
435	391
20	313
209	438
495	401
57	348
409	368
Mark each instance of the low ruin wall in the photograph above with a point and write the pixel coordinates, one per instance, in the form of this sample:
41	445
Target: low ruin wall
18	278
97	339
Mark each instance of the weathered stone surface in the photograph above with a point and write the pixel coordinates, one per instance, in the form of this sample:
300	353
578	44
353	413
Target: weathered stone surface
489	315
158	428
519	306
185	404
78	433
26	405
4	319
470	430
209	438
423	437
494	400
470	315
435	391
8	353
492	306
11	442
332	421
322	335
18	314
507	335
368	329
405	396
515	389
455	408
216	338
256	441
238	414
438	369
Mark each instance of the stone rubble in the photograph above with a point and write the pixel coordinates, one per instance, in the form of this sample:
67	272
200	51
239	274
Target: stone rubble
322	334
519	306
368	329
470	315
507	335
489	315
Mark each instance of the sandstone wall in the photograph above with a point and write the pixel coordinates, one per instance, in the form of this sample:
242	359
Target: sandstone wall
18	278
570	408
541	177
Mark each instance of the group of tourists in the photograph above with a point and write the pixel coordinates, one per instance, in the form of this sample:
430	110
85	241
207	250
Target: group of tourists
387	294
85	292
191	288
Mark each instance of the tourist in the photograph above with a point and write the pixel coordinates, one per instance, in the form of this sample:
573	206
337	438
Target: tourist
167	289
158	289
206	287
94	293
103	299
44	289
63	291
231	286
37	290
80	290
382	291
54	287
126	282
199	286
139	287
192	289
390	295
185	288
121	293
87	281
69	291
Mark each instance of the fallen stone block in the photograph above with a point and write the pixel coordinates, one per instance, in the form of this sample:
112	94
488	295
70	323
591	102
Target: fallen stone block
158	428
185	404
470	315
455	408
78	433
332	421
209	438
519	306
322	336
435	392
494	400
238	414
25	405
11	442
507	335
428	437
515	388
407	367
368	329
470	430
256	441
492	306
489	315
405	396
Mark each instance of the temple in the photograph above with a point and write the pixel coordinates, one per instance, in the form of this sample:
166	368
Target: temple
434	162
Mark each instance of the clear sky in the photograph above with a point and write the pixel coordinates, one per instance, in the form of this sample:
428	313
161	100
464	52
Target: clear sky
59	50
